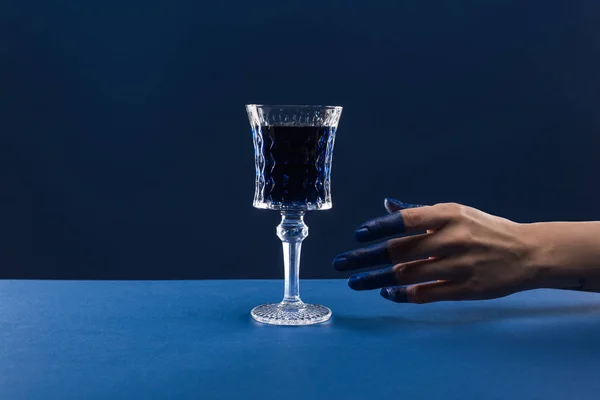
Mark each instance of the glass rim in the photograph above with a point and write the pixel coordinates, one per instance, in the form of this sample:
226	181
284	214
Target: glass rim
296	106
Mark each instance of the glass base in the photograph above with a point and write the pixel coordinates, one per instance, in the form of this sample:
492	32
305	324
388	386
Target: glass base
295	314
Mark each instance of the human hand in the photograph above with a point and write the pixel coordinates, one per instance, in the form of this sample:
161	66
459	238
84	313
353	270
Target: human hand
458	253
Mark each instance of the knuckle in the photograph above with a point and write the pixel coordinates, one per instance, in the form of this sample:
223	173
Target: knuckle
443	208
462	237
411	218
418	294
453	210
401	273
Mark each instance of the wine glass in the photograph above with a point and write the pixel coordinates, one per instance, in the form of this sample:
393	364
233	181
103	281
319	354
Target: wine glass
293	147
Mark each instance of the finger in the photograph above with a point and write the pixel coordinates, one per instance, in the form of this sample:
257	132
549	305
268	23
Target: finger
409	220
429	292
396	294
359	258
407	274
417	247
391	252
393	205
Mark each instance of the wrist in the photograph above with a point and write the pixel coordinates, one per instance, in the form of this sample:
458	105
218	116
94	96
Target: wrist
537	272
554	258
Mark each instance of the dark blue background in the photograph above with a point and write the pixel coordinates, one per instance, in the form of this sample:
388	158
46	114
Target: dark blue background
125	151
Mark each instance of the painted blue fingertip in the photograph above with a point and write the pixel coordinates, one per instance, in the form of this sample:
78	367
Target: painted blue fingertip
390	207
387	225
362	234
340	263
395	294
370	256
355	282
400	204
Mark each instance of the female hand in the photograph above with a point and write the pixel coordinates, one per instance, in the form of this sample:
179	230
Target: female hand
458	253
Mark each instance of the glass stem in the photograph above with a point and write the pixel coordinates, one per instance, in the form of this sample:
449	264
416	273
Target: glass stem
292	230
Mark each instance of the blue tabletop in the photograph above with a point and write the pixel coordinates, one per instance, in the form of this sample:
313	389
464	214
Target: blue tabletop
196	340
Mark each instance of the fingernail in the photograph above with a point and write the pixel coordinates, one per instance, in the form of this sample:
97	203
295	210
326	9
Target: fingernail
340	263
400	204
396	294
355	282
362	233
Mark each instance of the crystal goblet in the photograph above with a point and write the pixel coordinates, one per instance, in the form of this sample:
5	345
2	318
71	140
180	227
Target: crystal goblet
293	148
